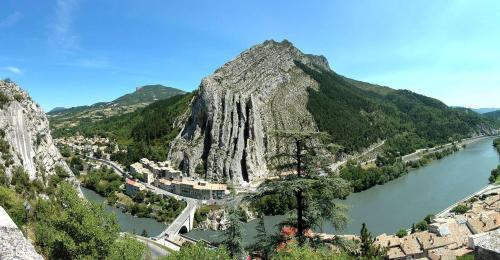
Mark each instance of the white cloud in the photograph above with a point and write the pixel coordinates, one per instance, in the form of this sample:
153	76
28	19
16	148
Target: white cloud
65	41
62	35
95	63
14	70
10	20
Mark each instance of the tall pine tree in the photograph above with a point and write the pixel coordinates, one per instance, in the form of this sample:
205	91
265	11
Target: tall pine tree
233	235
303	167
368	249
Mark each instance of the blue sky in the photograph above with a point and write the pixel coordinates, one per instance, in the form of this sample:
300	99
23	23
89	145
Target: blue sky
74	52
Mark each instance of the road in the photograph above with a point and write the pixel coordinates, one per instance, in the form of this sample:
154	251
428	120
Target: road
113	165
417	155
484	190
336	165
156	250
176	225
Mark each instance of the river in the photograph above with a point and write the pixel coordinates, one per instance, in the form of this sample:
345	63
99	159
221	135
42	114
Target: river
127	222
408	199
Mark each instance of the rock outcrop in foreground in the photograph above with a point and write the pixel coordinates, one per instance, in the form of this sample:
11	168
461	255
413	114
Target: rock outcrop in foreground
25	138
13	245
229	130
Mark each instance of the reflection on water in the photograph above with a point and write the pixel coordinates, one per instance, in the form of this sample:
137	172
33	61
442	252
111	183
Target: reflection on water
128	223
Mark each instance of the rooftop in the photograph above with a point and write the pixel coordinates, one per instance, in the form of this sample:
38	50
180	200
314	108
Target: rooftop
196	184
134	183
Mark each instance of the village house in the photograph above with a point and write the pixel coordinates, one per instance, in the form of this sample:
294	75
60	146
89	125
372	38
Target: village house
453	235
150	170
132	187
196	189
87	145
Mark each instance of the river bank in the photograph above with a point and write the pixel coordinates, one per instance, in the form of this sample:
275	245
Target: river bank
128	223
487	189
408	199
419	154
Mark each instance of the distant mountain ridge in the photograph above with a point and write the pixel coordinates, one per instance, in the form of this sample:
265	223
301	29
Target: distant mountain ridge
485	110
495	116
57	109
143	96
148	94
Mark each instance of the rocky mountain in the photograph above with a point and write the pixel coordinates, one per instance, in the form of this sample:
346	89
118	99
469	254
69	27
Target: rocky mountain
70	117
274	86
239	105
25	138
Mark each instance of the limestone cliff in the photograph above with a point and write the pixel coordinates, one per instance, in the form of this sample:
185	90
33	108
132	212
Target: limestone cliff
24	134
13	245
237	108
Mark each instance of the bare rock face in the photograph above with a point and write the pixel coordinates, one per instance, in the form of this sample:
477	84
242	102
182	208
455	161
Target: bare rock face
237	108
25	128
13	245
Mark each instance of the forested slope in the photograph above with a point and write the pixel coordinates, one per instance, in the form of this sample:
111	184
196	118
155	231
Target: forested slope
358	114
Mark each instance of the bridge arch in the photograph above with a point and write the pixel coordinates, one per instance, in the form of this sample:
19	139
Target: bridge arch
183	230
183	223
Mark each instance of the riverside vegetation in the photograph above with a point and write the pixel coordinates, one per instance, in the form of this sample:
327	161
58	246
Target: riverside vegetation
360	178
386	169
108	184
495	173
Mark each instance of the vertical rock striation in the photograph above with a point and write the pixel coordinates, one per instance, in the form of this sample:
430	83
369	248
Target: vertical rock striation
24	126
229	130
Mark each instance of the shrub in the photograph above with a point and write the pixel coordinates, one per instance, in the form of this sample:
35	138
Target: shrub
422	225
61	172
4	99
460	209
4	146
401	233
20	179
495	173
198	251
18	97
429	218
65	151
4	179
13	204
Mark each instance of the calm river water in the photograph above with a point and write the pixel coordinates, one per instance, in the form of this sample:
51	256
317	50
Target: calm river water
406	200
128	223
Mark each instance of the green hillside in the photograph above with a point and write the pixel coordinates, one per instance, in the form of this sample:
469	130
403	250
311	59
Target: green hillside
147	94
495	116
142	133
357	114
72	117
